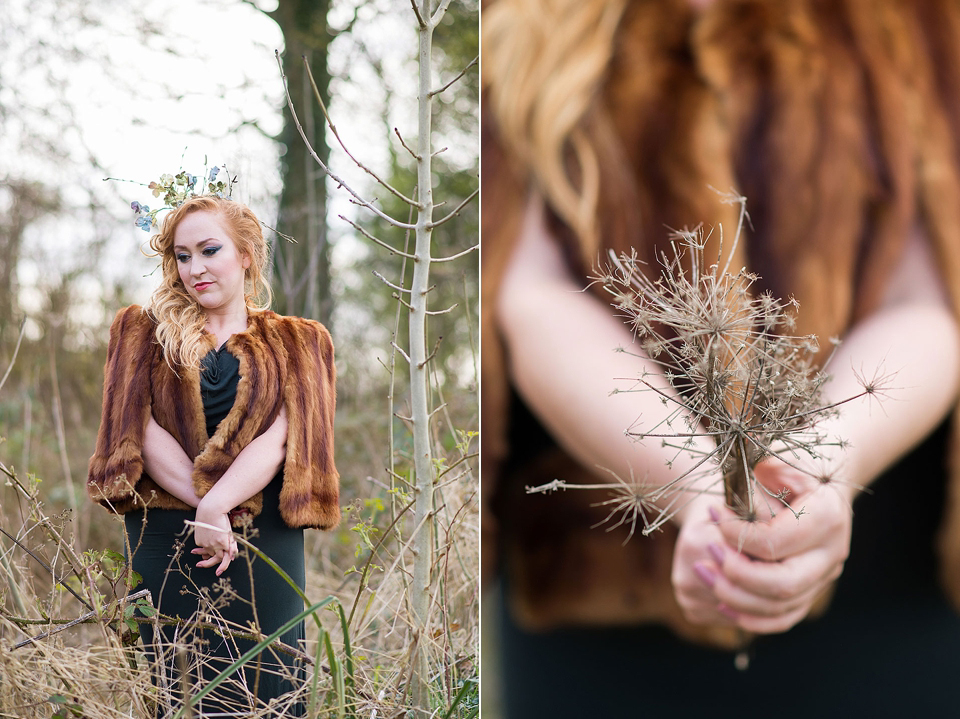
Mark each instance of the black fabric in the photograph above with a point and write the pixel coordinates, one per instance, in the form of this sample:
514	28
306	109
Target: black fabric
218	385
888	646
161	554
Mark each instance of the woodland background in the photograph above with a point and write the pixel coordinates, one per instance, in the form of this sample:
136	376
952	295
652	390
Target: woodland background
91	89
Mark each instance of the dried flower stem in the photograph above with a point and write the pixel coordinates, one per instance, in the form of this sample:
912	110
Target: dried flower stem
737	377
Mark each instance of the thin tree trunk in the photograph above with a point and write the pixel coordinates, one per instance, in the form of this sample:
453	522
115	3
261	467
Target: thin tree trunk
423	462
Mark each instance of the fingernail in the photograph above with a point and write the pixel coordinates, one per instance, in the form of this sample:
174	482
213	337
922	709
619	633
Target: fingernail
714	514
707	575
727	612
716	551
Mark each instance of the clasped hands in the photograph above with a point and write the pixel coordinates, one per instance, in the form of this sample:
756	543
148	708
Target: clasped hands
762	576
215	546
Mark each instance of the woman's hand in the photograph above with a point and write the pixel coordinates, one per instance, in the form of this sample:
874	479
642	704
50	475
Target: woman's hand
249	473
698	554
216	546
762	576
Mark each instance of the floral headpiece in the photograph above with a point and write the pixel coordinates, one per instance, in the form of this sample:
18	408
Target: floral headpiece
177	189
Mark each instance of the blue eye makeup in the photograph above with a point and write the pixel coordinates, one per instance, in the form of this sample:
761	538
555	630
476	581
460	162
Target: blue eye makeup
208	251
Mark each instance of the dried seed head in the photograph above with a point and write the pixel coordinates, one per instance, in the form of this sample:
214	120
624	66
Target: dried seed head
740	374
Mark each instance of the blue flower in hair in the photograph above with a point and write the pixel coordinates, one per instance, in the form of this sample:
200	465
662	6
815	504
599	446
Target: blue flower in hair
174	190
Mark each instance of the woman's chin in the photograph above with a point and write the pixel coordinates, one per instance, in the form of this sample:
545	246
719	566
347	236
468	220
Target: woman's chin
206	300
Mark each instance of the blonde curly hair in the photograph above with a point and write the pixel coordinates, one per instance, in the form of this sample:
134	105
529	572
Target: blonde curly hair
180	319
543	63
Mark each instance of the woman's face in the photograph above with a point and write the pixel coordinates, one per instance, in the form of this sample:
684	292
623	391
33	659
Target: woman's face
210	264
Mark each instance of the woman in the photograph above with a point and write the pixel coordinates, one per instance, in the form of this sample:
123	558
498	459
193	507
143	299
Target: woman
218	411
609	122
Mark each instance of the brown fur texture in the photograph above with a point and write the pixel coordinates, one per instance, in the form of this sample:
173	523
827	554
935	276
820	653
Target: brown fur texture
839	121
284	362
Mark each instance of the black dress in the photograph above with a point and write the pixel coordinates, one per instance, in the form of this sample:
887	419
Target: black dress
888	646
249	591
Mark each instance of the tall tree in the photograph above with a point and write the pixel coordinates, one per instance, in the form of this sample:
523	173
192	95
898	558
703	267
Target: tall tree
302	268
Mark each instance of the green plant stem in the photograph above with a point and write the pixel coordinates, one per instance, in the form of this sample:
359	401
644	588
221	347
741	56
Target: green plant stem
250	654
373	552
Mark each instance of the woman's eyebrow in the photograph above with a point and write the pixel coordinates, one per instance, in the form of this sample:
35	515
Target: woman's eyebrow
201	243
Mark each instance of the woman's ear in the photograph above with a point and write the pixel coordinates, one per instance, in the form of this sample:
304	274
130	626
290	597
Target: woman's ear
246	261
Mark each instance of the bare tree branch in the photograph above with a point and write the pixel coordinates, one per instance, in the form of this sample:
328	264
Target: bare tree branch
16	350
388	283
416	11
393	250
459	75
313	153
458	255
432	354
455	211
439	12
443	312
414	155
399	299
399	349
333	129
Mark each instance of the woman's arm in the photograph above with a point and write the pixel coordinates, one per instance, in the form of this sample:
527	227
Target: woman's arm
249	473
561	346
167	463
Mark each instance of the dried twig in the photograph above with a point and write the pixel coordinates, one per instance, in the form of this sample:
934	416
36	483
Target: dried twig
736	376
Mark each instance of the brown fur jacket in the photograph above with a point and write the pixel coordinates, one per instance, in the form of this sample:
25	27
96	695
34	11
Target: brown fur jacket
839	121
284	361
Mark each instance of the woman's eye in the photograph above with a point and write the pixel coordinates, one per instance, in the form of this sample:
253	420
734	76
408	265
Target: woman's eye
208	251
182	257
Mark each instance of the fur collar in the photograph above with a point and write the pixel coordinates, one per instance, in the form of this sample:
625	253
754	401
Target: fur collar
284	361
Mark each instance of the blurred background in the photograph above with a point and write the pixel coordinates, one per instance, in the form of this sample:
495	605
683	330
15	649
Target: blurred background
96	89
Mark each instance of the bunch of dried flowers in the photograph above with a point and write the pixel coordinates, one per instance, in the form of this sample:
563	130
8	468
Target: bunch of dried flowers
738	376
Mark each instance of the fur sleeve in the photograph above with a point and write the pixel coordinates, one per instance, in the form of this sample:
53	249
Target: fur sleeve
311	485
117	464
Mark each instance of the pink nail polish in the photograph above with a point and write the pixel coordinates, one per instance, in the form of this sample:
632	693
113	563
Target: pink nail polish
707	576
716	551
727	612
714	514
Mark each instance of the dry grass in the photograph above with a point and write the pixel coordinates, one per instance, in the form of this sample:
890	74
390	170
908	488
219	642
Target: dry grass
362	636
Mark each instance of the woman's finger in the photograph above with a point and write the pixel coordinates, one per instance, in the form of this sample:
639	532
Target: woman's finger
781	581
695	595
747	603
716	602
815	515
770	539
771	625
211	560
